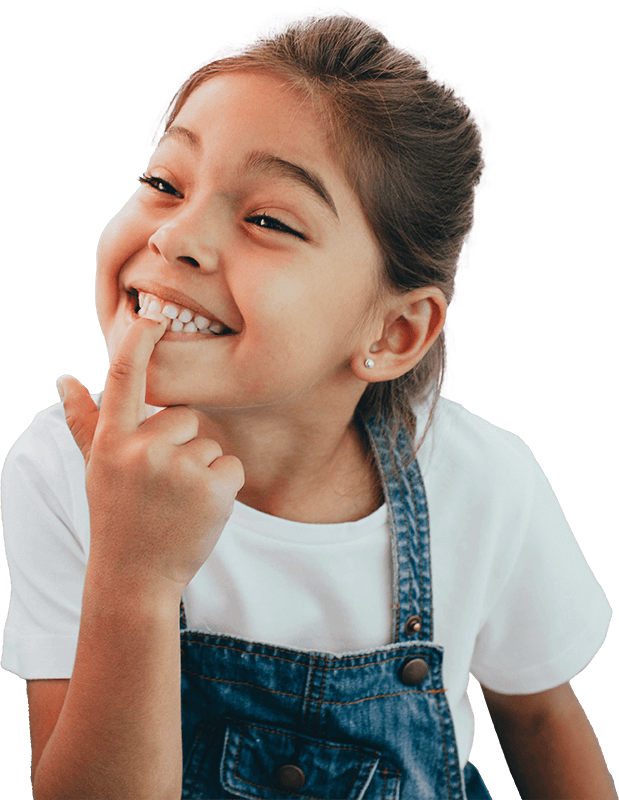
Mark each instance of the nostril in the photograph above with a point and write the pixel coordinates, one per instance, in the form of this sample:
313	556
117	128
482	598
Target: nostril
189	260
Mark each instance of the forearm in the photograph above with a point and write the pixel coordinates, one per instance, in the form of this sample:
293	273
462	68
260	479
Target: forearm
557	758
119	731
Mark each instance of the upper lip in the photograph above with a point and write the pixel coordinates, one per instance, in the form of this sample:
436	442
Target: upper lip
175	296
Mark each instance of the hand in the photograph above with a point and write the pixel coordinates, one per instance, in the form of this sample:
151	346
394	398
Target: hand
159	495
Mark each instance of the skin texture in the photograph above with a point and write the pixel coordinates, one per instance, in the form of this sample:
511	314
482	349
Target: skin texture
550	746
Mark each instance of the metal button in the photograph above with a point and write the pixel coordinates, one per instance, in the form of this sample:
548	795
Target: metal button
412	625
290	777
414	671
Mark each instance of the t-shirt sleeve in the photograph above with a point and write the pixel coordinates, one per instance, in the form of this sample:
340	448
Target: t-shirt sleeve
45	521
551	615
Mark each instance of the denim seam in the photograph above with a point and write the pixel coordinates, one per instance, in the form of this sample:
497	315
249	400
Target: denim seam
206	747
447	768
324	702
334	666
320	700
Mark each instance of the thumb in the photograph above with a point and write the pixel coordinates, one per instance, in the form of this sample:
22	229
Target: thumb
80	411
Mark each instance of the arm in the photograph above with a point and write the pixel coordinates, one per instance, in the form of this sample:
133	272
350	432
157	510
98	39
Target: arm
159	497
549	745
118	733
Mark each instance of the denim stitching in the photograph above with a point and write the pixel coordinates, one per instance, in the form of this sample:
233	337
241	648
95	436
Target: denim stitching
386	775
308	693
447	770
324	702
387	482
319	702
293	736
419	649
206	747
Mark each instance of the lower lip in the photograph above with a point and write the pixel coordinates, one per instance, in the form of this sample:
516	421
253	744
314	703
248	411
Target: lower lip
173	336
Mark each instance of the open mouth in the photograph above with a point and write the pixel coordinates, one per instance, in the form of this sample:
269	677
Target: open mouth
181	319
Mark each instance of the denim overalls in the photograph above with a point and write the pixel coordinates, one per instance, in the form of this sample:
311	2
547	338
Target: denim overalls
261	721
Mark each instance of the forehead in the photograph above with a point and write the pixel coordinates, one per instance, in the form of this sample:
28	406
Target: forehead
257	110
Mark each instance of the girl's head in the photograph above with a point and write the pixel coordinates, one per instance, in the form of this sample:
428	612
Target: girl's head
405	145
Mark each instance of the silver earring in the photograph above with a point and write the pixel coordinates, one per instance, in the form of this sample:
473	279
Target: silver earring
369	363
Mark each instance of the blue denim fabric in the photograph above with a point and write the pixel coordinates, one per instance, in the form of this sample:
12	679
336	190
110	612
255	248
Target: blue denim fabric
362	725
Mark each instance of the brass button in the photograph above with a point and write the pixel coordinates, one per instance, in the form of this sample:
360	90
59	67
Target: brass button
290	777
414	671
413	625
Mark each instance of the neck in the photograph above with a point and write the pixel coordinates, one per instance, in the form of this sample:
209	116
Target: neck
300	468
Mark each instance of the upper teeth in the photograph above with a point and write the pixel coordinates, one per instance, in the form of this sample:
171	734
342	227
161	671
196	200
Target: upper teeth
181	319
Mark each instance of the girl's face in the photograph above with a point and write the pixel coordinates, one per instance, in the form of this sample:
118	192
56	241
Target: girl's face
245	218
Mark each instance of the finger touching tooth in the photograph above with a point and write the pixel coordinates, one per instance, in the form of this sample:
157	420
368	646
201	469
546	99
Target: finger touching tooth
154	314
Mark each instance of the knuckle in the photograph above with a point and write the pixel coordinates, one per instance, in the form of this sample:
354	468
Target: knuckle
120	367
149	455
214	451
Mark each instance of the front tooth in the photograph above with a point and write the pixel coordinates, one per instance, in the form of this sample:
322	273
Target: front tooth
186	315
154	307
170	311
176	325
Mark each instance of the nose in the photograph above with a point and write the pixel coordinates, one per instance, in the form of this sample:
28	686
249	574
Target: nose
187	238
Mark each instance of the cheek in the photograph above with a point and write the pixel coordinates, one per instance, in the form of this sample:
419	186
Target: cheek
281	316
122	237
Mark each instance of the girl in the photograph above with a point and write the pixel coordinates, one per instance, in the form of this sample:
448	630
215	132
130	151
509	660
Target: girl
273	300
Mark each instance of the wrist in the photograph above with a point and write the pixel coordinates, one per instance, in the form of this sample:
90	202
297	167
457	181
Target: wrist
113	587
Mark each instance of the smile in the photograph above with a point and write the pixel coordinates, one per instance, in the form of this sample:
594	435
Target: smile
181	319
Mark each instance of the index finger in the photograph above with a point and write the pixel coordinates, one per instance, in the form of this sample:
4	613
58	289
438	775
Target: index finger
123	405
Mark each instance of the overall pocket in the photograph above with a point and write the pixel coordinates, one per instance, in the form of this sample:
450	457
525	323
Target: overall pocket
262	762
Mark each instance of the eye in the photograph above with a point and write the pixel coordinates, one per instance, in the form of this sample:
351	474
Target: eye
159	184
273	224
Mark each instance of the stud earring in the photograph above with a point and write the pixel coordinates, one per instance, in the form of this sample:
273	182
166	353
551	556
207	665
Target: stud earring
369	363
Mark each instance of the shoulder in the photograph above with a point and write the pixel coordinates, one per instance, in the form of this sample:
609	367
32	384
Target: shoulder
460	442
483	482
45	455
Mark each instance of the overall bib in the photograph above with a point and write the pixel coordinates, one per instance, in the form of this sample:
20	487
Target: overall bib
263	722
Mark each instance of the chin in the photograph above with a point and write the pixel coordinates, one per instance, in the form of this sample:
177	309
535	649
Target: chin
162	399
162	393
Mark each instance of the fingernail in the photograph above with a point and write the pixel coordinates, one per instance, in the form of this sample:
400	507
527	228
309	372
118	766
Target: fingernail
60	386
156	316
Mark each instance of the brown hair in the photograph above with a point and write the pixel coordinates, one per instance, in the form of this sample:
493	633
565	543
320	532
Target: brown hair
409	148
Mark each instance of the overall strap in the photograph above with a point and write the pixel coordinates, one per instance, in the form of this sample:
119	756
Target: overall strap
409	524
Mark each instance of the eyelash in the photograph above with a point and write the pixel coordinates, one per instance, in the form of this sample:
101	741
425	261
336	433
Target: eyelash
260	220
156	183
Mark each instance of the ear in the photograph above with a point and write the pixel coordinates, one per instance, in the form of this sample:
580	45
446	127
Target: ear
410	326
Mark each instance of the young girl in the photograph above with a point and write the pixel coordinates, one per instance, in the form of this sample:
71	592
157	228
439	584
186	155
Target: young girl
270	461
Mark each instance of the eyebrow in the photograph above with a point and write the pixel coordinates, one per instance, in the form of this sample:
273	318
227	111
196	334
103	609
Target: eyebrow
178	132
259	161
266	162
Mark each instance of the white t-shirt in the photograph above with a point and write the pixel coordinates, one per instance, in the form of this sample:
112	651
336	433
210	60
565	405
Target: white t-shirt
515	602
